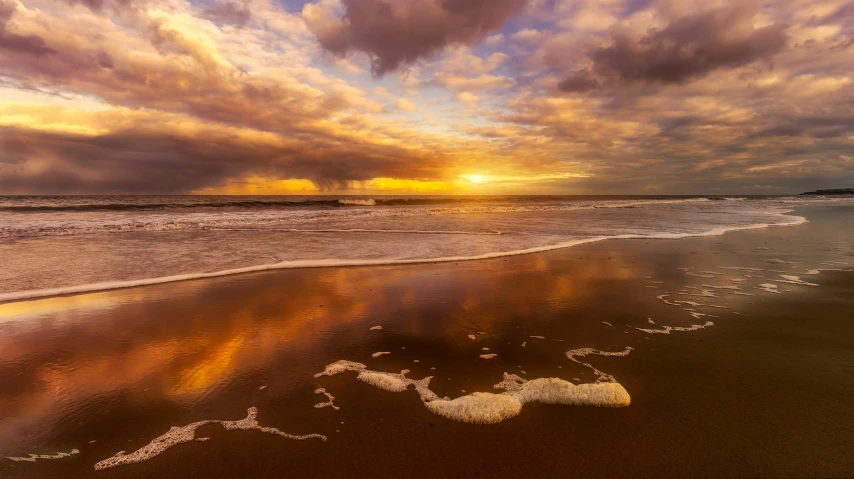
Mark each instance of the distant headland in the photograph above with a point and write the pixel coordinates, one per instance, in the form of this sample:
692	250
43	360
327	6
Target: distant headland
837	191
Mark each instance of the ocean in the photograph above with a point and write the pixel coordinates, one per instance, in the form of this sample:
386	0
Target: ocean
72	244
613	350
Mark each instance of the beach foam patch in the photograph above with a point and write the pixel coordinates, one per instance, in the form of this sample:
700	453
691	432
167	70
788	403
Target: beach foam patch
574	354
35	457
559	391
491	408
181	435
330	400
357	202
668	329
792	279
477	408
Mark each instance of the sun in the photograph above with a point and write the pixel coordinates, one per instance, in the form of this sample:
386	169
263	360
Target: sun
475	179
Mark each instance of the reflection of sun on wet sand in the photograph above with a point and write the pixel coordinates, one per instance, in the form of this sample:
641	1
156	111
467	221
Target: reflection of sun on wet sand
180	435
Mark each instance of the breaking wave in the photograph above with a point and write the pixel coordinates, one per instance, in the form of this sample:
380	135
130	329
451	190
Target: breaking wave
321	263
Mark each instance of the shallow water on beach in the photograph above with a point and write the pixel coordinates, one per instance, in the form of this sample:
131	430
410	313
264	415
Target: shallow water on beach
113	371
57	245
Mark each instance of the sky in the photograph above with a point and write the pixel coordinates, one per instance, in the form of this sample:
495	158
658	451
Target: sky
426	96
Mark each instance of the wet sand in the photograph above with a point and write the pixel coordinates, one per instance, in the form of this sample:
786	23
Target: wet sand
765	391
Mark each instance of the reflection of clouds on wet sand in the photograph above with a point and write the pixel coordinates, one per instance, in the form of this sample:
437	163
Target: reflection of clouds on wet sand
188	342
185	340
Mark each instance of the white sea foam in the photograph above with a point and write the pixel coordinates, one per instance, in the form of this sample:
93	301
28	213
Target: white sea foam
477	408
697	304
700	275
558	391
376	328
663	297
184	434
491	408
574	354
791	279
330	400
320	263
363	230
358	202
339	367
769	288
380	353
729	287
698	315
488	356
35	457
668	329
41	226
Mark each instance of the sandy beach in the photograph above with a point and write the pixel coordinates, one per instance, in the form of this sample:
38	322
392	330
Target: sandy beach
744	382
426	239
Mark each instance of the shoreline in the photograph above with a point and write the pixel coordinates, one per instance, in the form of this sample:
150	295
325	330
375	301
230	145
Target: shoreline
32	295
128	366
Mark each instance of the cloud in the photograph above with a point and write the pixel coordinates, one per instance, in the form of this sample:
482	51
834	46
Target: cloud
397	33
177	159
229	13
579	81
33	45
188	102
689	47
405	104
483	82
101	5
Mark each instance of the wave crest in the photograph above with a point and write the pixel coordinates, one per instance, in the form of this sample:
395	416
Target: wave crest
355	202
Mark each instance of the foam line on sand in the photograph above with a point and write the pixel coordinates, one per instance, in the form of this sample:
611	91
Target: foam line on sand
487	407
184	434
34	457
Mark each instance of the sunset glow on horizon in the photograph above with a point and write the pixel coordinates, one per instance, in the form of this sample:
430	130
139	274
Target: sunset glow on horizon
425	96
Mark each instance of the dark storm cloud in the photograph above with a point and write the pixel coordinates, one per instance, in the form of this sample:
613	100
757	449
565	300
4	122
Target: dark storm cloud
327	154
688	47
579	81
811	126
397	33
102	5
229	13
138	161
26	44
